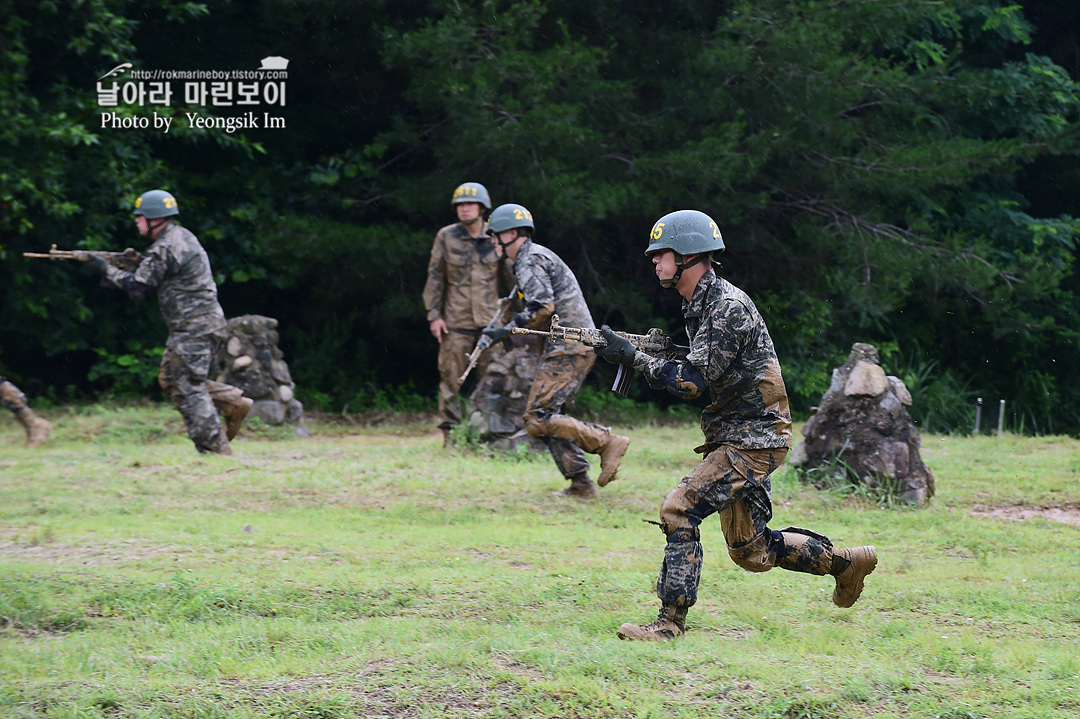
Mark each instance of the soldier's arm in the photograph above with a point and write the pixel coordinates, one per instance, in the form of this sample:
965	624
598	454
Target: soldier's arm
720	338
681	379
139	283
539	302
435	286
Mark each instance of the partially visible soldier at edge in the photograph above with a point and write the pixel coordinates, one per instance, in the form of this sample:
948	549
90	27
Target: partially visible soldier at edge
176	266
747	428
461	294
37	429
547	286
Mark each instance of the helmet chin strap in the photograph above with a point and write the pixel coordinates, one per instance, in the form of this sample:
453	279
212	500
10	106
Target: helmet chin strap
504	245
681	264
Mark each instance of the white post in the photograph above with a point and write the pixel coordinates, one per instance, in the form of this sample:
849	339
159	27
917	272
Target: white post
1001	417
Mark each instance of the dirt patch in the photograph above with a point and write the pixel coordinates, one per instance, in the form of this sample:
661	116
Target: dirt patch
1069	514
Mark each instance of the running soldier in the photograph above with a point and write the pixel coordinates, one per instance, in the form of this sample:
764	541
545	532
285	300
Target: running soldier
176	266
547	286
461	294
37	429
747	428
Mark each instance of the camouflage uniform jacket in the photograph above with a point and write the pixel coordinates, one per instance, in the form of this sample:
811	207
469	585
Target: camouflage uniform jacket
462	285
176	266
547	286
731	347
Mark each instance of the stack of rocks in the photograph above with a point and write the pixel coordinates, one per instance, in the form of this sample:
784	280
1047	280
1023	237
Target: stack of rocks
863	423
252	361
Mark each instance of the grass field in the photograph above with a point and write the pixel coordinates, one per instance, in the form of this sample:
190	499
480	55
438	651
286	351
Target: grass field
367	572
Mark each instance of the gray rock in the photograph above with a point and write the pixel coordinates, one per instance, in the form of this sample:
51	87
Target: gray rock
252	361
863	421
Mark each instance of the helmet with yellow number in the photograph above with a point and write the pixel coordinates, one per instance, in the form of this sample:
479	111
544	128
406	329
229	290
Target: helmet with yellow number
687	232
471	192
510	217
155	204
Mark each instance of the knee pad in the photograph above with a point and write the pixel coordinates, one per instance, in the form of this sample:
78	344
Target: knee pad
755	555
693	534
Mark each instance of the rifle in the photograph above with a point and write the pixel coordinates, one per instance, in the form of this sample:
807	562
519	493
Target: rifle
485	341
654	342
127	260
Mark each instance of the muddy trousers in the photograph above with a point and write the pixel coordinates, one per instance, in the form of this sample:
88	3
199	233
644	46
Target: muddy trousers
551	396
453	359
735	483
12	397
184	375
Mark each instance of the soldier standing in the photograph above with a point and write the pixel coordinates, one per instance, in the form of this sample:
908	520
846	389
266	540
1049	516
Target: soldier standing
747	428
547	287
176	266
461	294
37	429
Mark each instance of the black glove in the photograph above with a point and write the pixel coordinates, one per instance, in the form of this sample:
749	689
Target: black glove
618	350
495	334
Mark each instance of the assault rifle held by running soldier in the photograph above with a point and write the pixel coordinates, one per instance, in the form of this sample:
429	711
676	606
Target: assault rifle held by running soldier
501	317
654	342
127	260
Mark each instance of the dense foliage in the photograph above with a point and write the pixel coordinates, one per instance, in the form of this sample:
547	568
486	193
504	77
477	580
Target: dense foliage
895	173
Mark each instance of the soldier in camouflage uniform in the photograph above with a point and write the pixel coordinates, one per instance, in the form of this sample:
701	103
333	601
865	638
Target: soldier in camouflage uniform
747	428
176	266
546	287
37	429
461	294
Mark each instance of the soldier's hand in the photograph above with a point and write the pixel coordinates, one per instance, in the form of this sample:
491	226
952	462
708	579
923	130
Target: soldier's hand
496	334
618	350
439	329
95	261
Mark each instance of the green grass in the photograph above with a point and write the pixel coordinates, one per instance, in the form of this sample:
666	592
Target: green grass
384	576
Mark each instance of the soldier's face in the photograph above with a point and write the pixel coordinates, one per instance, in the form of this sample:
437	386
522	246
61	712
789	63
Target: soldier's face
468	212
141	225
506	244
664	264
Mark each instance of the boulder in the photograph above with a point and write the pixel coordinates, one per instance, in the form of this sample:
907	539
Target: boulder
497	403
251	360
863	423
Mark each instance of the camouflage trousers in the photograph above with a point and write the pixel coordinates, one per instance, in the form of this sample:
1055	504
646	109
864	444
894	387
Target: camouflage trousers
185	376
734	482
551	396
12	397
453	359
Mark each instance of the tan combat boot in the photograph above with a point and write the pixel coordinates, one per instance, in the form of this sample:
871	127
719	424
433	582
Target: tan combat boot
235	415
670	624
37	429
610	455
581	487
850	567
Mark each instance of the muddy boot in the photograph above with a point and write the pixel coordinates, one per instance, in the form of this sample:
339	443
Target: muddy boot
850	567
671	624
581	487
37	429
235	416
610	455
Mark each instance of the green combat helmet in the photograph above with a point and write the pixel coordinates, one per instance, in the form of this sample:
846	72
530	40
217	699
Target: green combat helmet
510	217
156	204
685	232
471	192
